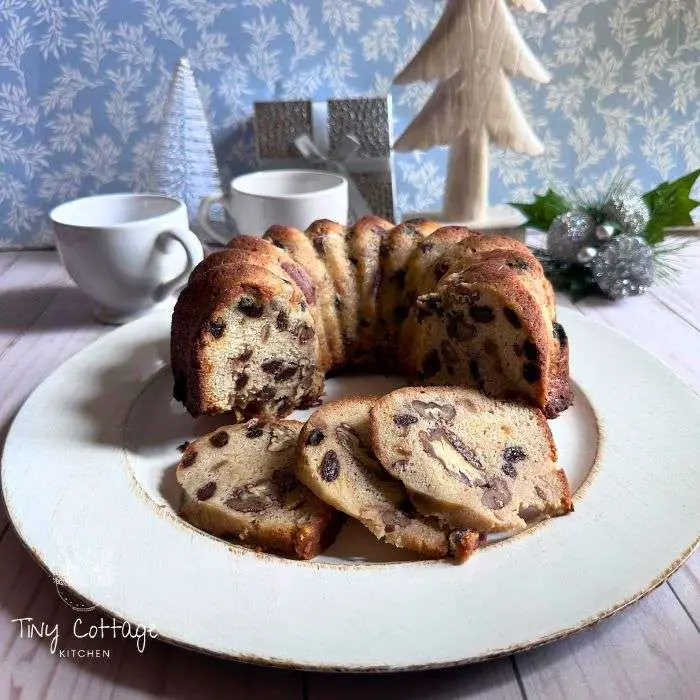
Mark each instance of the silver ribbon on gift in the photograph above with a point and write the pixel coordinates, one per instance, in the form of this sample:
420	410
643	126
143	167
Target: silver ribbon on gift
336	160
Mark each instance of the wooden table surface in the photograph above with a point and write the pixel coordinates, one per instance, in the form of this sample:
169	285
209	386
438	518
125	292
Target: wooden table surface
650	650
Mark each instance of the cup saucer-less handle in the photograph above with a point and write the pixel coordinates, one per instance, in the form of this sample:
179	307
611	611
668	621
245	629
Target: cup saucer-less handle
203	214
193	251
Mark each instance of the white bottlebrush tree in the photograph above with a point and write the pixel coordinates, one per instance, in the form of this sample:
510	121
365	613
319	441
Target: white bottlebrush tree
185	165
473	50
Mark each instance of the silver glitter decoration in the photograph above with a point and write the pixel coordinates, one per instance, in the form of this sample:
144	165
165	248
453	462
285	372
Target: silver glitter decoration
185	165
604	232
585	255
629	212
568	234
624	267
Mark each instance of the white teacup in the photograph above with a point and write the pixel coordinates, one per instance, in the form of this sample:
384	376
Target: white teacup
287	197
128	252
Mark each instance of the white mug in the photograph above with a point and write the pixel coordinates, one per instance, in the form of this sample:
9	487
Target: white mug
128	252
287	197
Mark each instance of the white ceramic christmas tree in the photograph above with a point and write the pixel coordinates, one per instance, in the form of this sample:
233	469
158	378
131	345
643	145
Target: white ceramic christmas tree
185	165
473	50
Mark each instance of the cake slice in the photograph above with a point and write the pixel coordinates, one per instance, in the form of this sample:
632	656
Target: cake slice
239	483
244	341
472	461
337	463
329	241
365	242
297	245
392	308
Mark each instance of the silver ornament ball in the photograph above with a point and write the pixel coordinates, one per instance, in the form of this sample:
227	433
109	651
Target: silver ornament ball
604	232
585	255
568	234
629	212
624	267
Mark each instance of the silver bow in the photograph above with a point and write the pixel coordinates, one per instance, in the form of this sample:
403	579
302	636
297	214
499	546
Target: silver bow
336	161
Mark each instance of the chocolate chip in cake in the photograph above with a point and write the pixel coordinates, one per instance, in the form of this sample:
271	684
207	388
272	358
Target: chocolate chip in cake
330	466
531	372
403	420
249	307
254	431
304	333
287	372
530	351
282	321
496	494
482	314
219	439
509	469
207	491
188	459
560	334
315	437
512	317
241	381
216	328
431	364
267	393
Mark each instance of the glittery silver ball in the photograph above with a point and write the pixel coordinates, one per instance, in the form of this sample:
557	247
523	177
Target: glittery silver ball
585	255
624	267
568	234
629	212
604	232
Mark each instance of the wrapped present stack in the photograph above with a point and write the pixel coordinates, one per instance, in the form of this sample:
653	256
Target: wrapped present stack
349	136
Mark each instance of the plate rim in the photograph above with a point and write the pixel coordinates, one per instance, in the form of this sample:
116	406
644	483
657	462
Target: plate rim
273	661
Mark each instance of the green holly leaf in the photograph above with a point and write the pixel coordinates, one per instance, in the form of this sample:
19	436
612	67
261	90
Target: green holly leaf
543	210
670	205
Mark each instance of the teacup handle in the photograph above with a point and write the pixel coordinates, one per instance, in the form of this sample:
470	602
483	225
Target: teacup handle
193	250
203	214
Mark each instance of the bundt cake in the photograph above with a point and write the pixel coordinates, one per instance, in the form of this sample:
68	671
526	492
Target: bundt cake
336	462
260	323
238	482
470	460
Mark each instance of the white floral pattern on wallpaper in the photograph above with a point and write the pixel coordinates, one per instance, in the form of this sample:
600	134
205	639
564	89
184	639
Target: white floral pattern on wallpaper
83	82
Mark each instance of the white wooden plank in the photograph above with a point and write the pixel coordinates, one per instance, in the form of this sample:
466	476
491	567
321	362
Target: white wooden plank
28	668
26	289
494	680
651	650
686	585
65	327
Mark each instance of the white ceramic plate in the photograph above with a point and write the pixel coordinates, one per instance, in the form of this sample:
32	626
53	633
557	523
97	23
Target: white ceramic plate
88	482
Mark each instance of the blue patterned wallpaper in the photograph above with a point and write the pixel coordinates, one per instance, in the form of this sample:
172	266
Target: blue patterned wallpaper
83	82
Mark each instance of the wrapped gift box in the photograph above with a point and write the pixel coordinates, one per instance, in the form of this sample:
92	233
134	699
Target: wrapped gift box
350	136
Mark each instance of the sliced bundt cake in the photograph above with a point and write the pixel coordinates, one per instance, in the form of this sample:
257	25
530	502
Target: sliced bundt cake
337	463
472	461
239	483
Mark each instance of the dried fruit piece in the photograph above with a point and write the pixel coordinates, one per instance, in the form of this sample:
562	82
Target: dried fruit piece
330	466
496	494
188	459
272	366
509	470
245	355
514	453
207	491
530	351
512	317
531	372
282	321
560	334
405	419
482	314
219	439
249	307
241	381
216	328
315	437
458	328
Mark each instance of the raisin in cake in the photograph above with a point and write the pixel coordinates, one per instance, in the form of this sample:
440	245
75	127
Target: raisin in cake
443	305
337	463
239	483
244	341
470	460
